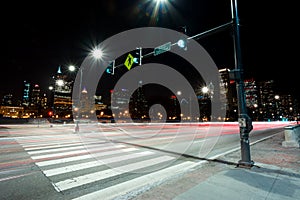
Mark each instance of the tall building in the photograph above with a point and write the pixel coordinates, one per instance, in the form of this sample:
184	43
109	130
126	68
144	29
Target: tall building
35	98
33	109
138	105
7	100
252	98
267	105
120	99
286	107
62	104
263	101
230	93
87	105
26	94
9	109
274	105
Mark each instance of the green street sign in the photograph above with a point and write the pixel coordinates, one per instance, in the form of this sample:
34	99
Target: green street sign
162	49
129	61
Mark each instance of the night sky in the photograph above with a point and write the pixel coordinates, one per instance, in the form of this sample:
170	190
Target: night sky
37	38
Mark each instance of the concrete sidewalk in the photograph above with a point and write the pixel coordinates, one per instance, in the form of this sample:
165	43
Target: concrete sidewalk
275	175
258	183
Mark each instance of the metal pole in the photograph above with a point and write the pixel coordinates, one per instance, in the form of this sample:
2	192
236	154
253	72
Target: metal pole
244	120
79	102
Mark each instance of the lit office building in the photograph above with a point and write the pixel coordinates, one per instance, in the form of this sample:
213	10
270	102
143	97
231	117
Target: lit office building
7	100
120	104
229	92
62	105
26	94
252	98
267	94
35	100
138	105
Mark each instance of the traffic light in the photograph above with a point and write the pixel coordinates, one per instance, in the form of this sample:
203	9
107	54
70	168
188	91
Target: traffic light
50	113
111	68
182	43
138	58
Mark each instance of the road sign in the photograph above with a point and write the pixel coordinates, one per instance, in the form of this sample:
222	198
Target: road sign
162	49
129	61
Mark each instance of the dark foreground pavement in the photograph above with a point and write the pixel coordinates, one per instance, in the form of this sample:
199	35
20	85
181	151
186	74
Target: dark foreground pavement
275	175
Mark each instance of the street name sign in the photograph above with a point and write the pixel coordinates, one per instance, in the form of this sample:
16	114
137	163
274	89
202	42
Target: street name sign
162	49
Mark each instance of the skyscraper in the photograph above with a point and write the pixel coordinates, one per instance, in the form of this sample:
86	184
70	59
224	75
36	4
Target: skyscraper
62	104
26	94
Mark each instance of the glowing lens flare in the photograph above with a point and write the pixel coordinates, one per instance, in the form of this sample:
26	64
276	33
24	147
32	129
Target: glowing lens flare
60	82
161	1
97	53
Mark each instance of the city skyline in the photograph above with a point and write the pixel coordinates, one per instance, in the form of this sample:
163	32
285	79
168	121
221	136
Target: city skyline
41	39
263	101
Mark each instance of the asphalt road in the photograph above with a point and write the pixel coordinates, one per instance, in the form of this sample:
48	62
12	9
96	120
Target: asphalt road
104	161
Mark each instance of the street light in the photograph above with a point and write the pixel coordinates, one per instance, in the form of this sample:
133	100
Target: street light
97	53
72	68
205	89
160	1
51	88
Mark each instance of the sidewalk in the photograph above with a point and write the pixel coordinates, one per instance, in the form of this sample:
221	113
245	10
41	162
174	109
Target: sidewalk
276	175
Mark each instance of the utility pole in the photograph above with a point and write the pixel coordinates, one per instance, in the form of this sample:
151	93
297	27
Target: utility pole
244	120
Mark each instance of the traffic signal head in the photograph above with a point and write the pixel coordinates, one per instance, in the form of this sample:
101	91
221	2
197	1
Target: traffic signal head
138	58
111	68
182	43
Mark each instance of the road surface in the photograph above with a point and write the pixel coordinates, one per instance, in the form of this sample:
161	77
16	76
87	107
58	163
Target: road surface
106	161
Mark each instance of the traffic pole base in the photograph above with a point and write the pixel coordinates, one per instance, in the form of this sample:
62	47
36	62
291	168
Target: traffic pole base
245	164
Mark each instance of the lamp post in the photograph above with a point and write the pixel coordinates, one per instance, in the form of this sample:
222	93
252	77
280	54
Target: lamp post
52	90
96	53
72	68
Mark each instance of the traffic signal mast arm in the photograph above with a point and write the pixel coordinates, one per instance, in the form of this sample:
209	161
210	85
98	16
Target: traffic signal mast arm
181	43
245	122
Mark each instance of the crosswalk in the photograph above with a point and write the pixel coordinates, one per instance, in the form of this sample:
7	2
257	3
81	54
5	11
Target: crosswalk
91	168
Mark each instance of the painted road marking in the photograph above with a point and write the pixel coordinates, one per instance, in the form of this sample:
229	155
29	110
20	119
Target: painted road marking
98	176
100	162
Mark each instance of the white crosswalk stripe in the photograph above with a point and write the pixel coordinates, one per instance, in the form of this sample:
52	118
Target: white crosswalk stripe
124	188
61	149
77	158
72	166
81	180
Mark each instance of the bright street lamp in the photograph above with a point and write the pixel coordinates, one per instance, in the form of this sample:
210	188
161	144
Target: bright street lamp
205	90
72	68
160	1
97	53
